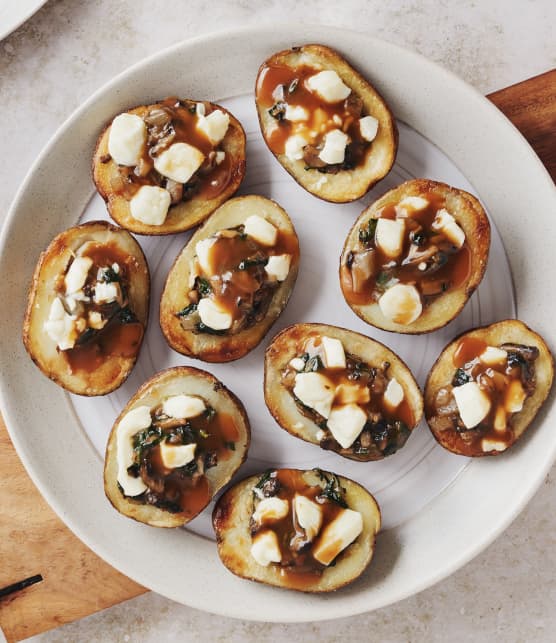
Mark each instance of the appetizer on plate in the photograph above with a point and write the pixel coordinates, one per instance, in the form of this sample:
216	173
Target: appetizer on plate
414	257
341	390
327	125
486	387
231	281
87	308
163	168
312	531
179	439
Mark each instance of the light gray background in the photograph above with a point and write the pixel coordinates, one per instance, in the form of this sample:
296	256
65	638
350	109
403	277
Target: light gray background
70	48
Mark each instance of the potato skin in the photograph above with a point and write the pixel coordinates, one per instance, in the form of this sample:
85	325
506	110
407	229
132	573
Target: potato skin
223	348
442	372
182	216
52	262
230	520
280	401
470	215
347	185
172	381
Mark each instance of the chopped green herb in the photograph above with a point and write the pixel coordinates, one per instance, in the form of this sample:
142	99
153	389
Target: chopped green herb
333	490
418	238
264	478
461	377
108	275
210	413
313	364
126	316
184	312
367	233
278	110
202	286
247	263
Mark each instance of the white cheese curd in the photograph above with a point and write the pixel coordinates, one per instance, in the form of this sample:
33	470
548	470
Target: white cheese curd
265	548
368	127
315	391
278	267
493	445
126	139
220	156
347	393
96	321
296	113
106	293
329	86
493	356
76	276
61	327
445	223
150	205
200	109
297	364
415	203
389	236
179	162
176	455
261	230
401	303
346	423
133	421
270	509
337	535
334	149
203	249
334	355
213	315
393	395
293	148
308	515
514	397
183	406
214	126
473	403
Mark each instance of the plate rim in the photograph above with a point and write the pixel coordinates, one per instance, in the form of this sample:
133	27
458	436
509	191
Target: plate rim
327	608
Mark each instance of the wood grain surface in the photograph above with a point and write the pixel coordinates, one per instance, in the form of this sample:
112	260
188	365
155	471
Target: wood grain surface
78	583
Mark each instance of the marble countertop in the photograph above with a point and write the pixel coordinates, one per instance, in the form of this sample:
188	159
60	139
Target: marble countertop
72	47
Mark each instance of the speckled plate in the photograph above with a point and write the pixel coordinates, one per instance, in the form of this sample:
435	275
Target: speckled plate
440	510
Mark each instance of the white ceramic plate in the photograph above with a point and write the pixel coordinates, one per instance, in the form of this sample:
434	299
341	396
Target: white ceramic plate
13	13
440	510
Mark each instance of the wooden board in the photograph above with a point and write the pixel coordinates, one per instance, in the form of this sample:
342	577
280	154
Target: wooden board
77	582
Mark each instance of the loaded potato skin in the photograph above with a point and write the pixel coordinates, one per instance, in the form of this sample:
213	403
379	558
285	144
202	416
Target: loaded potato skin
324	122
231	281
164	168
87	308
178	440
486	387
415	256
278	528
341	390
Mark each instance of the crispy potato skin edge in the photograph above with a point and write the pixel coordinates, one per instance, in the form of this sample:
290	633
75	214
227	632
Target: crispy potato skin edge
231	526
72	385
149	514
331	59
479	226
519	333
280	402
225	348
189	217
